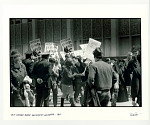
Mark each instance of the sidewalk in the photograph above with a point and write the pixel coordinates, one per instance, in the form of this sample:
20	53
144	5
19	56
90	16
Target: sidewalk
67	103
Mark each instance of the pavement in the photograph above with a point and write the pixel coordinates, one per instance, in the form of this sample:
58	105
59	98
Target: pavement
67	103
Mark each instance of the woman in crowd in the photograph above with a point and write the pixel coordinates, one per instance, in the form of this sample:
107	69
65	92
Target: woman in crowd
19	96
66	82
122	94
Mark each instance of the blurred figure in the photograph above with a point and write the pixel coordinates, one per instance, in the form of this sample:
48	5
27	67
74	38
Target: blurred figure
136	85
31	95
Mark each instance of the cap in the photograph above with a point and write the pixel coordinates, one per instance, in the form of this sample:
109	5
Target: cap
29	52
97	52
52	60
45	54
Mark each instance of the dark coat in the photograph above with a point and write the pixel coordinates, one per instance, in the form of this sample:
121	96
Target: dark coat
136	85
100	75
29	66
42	70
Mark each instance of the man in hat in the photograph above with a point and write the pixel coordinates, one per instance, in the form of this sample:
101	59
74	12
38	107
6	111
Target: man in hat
100	77
41	72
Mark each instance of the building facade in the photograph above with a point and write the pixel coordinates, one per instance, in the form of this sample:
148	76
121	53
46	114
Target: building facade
118	36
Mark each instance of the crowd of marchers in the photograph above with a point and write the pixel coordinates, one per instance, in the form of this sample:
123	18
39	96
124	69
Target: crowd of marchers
89	83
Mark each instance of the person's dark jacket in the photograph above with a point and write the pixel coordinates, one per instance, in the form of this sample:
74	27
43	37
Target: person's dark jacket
29	66
136	85
100	75
42	70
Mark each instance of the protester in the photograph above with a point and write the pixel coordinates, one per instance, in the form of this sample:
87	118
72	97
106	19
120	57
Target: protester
132	64
115	86
127	73
53	80
19	96
136	85
122	94
100	78
67	84
79	83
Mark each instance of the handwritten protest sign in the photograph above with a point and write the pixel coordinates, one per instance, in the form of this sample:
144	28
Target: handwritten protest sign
35	45
67	45
90	48
52	48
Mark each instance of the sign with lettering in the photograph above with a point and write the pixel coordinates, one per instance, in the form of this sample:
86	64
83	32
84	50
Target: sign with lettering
67	45
52	48
91	47
35	45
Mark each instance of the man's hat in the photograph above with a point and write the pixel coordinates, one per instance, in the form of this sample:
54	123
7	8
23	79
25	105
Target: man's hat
29	52
52	60
97	52
45	54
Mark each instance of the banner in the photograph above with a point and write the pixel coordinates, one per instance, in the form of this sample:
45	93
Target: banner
52	48
90	48
35	45
67	45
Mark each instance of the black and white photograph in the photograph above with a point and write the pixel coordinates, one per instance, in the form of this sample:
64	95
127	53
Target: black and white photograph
83	62
70	61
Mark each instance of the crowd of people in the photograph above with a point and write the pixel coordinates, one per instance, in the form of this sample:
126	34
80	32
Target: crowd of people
89	83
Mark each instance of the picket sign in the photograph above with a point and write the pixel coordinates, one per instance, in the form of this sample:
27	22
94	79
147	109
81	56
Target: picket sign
52	48
35	45
67	45
92	44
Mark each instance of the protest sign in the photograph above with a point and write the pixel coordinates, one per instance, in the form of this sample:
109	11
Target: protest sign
83	46
62	55
90	48
79	53
35	45
67	45
52	48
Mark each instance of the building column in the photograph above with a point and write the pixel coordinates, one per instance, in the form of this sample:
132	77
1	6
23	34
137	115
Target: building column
70	29
114	37
34	29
